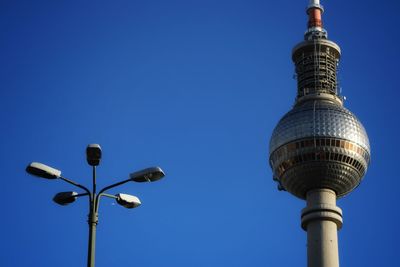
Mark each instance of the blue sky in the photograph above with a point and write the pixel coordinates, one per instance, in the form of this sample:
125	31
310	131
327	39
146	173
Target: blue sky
197	88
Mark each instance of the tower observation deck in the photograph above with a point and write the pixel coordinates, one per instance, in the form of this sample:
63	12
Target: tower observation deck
319	150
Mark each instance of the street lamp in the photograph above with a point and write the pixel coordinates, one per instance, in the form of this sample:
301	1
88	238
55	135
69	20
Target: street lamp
43	171
93	157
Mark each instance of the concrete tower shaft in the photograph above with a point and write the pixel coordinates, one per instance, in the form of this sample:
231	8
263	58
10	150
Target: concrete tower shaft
322	219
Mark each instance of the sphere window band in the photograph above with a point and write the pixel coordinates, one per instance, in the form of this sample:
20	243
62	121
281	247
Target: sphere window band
329	142
324	156
281	154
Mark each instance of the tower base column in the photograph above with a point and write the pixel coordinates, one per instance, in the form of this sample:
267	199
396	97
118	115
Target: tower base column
321	218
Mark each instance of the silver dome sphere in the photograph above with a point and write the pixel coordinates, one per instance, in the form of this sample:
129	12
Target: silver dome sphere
319	144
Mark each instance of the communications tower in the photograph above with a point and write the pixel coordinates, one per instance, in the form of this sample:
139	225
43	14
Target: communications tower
319	151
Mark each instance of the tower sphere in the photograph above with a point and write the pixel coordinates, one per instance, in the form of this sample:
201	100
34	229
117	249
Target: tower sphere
319	144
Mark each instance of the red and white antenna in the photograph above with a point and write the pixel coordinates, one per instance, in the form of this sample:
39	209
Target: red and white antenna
315	25
314	11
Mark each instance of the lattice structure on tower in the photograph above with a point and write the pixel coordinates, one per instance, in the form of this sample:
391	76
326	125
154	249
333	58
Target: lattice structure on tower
316	67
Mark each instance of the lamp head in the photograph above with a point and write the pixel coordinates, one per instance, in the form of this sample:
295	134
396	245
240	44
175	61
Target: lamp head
65	198
43	171
128	201
93	154
147	175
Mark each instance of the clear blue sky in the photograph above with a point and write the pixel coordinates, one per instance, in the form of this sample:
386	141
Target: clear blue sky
197	88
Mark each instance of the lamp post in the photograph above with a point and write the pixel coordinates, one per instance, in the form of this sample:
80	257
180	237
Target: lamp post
93	157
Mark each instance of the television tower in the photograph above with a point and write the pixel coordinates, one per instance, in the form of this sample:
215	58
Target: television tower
319	151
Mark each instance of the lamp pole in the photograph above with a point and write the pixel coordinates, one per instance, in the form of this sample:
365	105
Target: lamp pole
93	156
92	221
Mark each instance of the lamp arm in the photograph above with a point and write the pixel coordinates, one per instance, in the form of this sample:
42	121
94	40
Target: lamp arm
81	195
101	192
103	195
76	184
108	195
113	185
